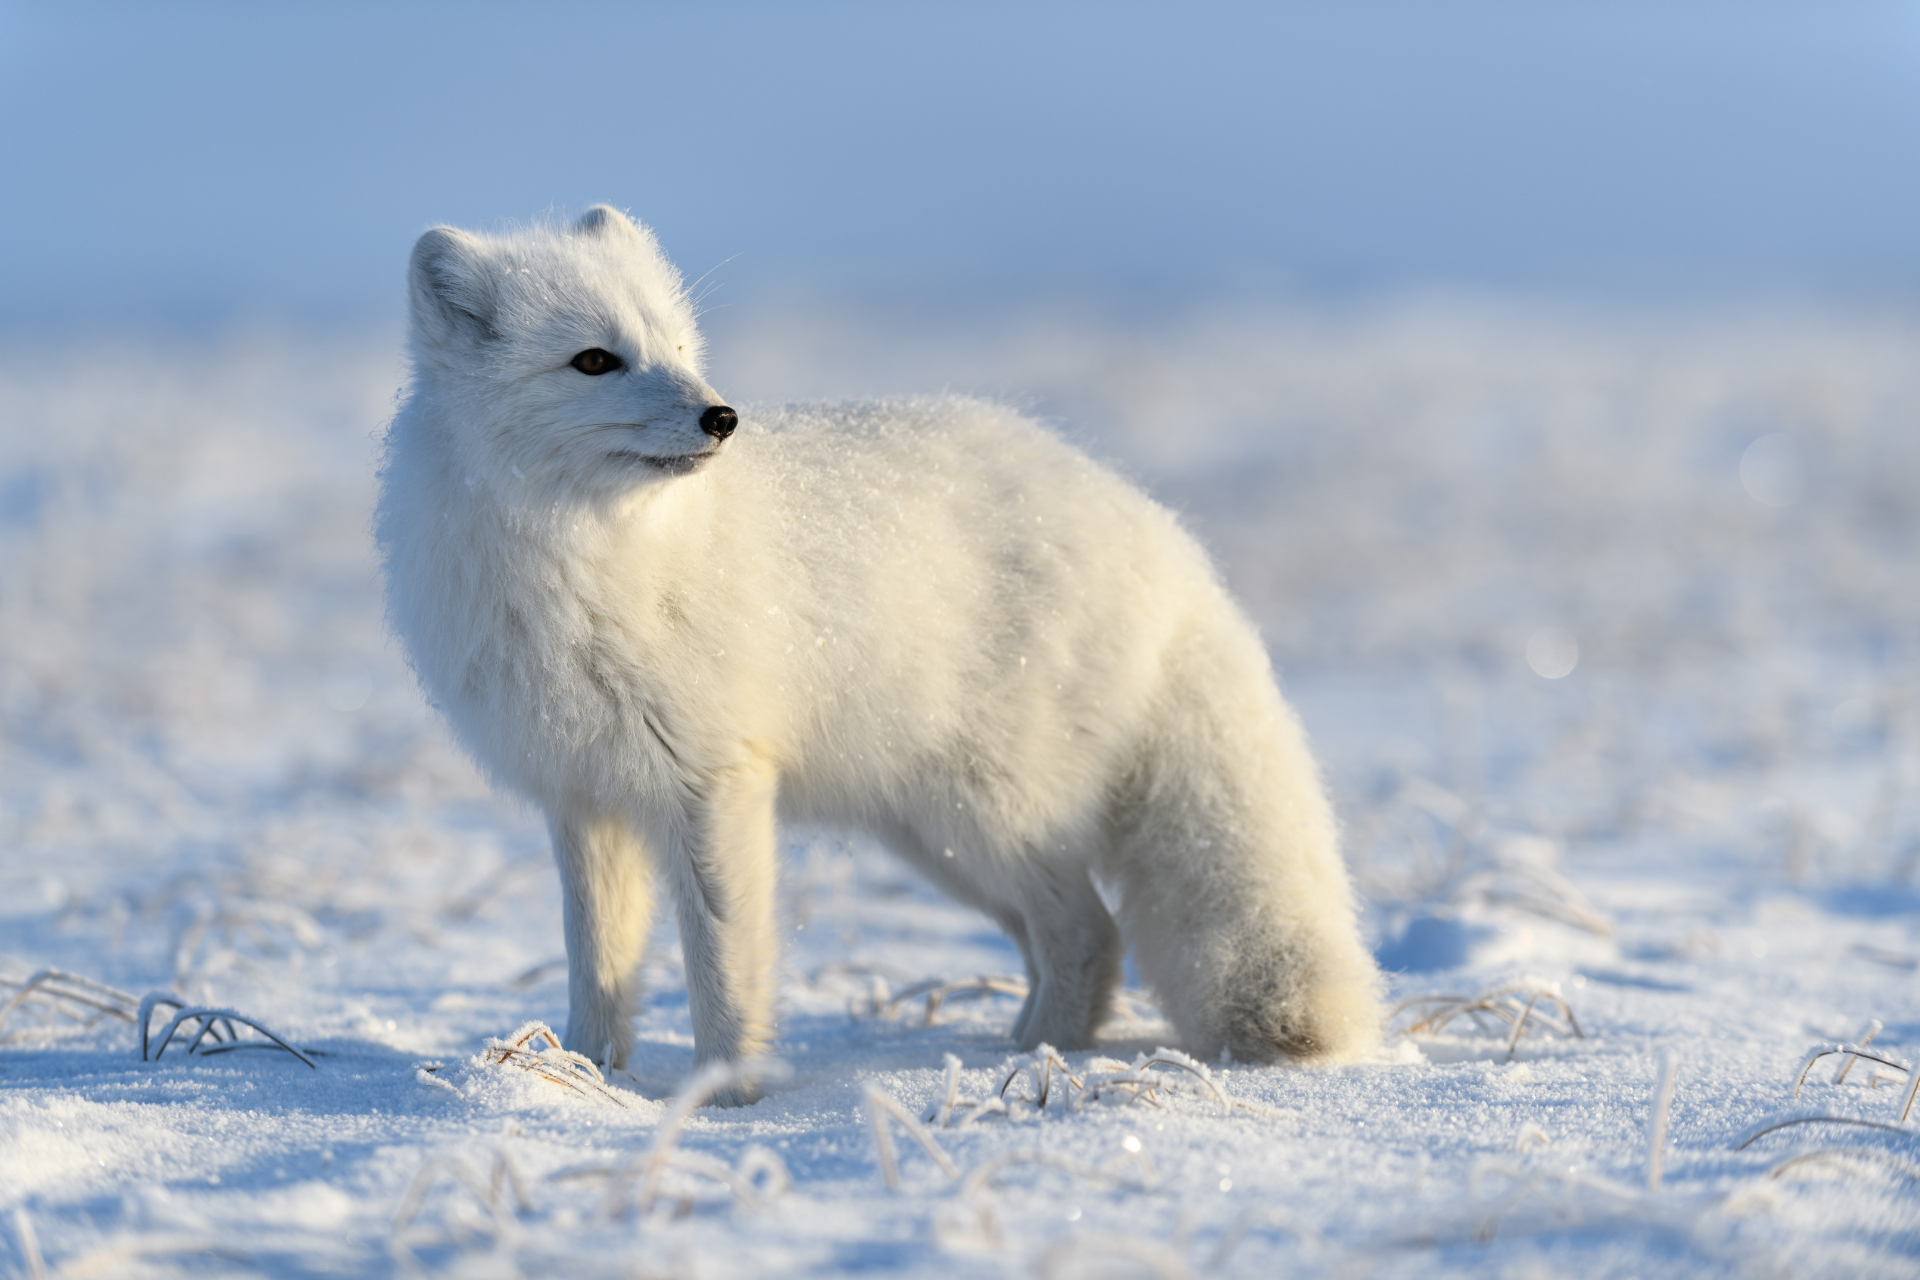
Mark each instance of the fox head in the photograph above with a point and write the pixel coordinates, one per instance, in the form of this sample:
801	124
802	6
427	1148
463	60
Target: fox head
561	357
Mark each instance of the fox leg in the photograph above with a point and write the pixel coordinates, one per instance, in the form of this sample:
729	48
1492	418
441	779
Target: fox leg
1074	956
722	864
1014	925
607	906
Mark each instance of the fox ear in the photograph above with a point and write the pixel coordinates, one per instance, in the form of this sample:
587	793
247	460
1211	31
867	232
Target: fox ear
449	288
604	220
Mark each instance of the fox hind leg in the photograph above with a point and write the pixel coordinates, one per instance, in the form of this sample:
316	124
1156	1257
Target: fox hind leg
1074	956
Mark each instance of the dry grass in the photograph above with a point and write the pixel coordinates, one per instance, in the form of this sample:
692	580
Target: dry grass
938	991
1498	1189
1535	889
1151	1079
1516	1007
231	935
882	1107
1244	1224
461	1228
1842	1156
70	1003
1112	1173
534	975
469	904
1427	844
481	1212
1852	1053
1776	1123
113	1259
973	1220
536	1050
1517	1196
1657	1117
1849	1054
1567	1195
29	1244
216	1025
637	1181
1865	1038
881	1000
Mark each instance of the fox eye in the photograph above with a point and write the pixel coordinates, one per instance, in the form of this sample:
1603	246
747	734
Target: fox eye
593	362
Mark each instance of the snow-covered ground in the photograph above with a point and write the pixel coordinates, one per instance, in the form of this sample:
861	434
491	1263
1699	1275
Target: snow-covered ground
1608	634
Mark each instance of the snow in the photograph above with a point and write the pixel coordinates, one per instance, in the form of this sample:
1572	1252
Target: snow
218	780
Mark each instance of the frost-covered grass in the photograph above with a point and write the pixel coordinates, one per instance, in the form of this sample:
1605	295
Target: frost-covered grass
1607	632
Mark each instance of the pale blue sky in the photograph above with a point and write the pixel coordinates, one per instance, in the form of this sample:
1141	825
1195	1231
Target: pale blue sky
203	164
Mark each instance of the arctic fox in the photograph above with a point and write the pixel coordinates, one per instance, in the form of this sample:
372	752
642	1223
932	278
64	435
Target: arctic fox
663	622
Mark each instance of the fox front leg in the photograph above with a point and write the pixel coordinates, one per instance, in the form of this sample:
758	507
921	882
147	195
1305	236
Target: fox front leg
607	906
723	872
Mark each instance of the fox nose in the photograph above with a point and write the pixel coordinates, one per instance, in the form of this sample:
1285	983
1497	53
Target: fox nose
719	421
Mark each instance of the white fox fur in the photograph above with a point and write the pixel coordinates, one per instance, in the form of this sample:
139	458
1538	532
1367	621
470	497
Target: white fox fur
929	619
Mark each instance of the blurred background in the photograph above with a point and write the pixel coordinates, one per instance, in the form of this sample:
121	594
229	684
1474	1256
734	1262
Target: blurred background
1542	374
207	164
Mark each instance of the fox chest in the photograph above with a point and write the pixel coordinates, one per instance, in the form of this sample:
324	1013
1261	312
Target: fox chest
649	670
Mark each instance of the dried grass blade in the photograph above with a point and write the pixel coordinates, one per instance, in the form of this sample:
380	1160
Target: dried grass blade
757	1160
985	1171
694	1092
880	1107
1243	1224
422	1185
1520	1026
1905	1168
148	1003
939	990
1164	1057
210	1015
63	994
882	1141
1867	1033
58	984
504	1170
1409	1003
1806	1064
1566	1011
29	1244
1766	1127
535	1049
1657	1119
941	1113
1913	1087
1851	1051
